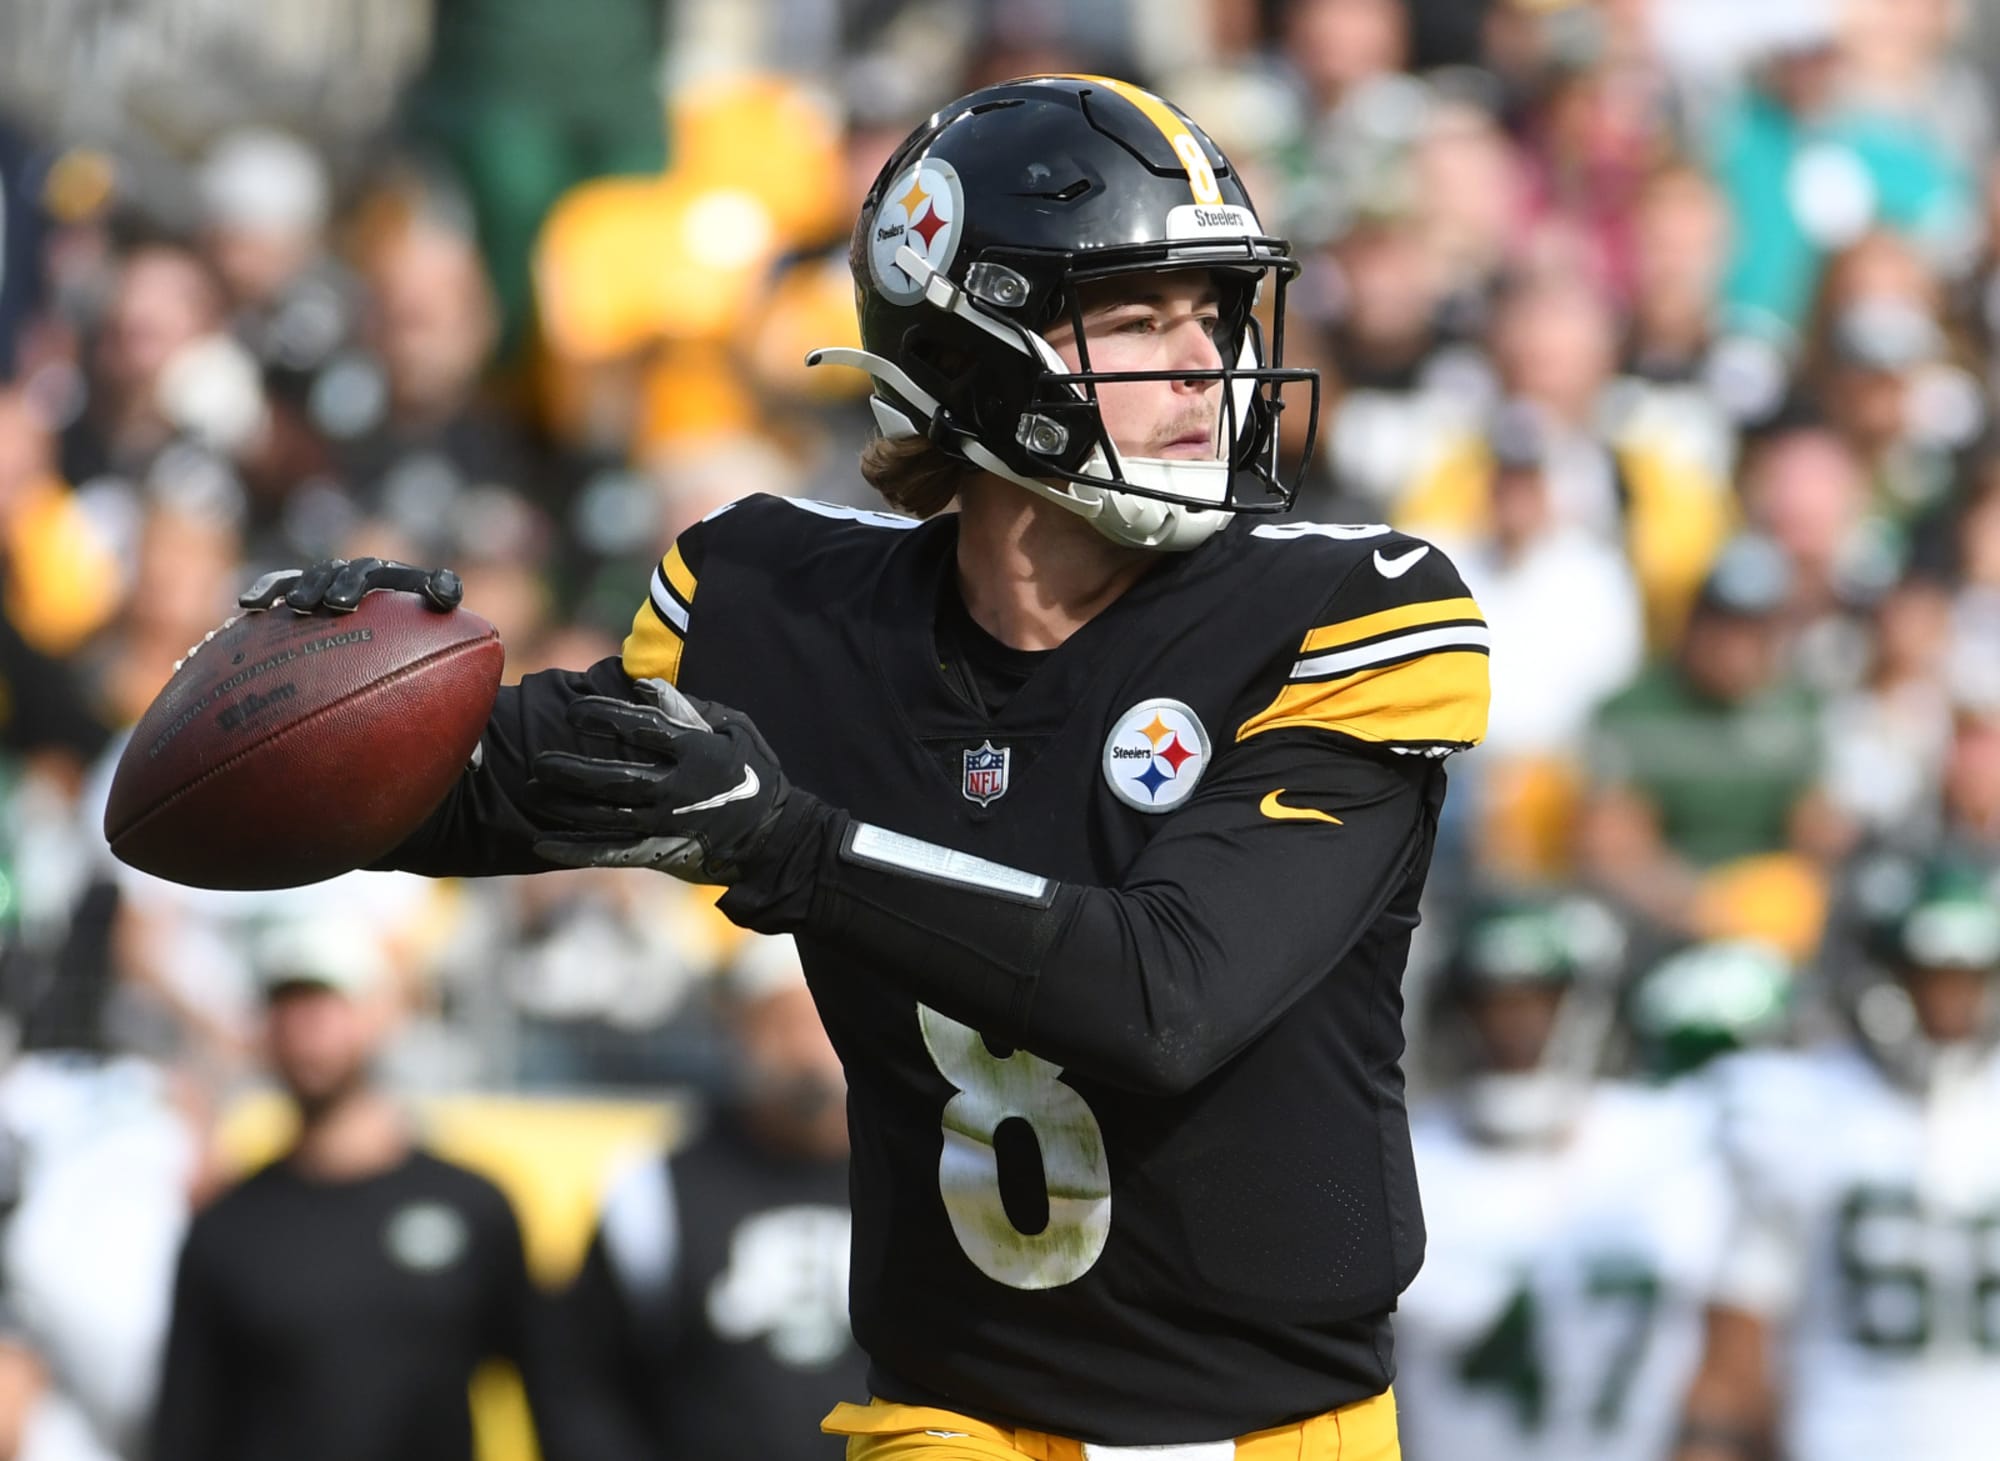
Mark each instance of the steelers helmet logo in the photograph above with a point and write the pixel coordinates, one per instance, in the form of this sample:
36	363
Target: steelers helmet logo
921	208
1155	754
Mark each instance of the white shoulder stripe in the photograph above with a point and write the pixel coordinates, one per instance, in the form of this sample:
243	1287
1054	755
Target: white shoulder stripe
1339	532
1400	646
669	606
851	514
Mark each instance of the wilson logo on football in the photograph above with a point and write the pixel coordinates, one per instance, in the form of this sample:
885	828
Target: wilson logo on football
1155	754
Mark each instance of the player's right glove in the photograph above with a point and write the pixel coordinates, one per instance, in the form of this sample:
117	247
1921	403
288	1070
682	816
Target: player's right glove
692	790
339	584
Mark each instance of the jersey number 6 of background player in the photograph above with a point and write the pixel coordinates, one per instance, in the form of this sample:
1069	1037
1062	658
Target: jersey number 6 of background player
1110	936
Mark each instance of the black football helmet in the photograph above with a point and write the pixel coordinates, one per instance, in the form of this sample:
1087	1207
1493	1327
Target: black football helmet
972	243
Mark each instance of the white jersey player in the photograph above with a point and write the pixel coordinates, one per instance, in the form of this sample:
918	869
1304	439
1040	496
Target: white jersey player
1574	1227
1858	1314
1558	1313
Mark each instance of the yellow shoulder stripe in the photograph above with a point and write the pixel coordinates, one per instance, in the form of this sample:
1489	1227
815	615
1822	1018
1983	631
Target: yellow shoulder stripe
1403	616
676	570
1440	698
653	649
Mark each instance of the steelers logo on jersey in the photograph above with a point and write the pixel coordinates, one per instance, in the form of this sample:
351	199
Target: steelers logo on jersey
923	208
1155	754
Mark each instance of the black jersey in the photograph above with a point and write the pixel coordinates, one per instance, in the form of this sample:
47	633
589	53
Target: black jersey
713	1301
1144	1176
340	1320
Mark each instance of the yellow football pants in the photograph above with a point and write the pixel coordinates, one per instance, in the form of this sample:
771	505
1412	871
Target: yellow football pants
879	1431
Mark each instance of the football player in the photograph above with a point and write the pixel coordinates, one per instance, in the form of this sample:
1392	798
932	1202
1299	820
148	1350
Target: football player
1100	807
1858	1312
1575	1219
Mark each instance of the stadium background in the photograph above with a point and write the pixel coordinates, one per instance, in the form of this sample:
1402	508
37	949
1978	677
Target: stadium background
524	289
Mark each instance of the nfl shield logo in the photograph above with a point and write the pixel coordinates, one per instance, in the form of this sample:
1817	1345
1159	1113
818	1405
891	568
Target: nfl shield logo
986	773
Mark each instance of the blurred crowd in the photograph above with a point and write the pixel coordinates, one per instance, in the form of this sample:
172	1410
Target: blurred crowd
1673	321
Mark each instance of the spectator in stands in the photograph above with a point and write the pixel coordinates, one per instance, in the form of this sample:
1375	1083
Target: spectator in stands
1709	762
1809	169
186	556
525	99
163	369
1595	127
1382	301
1567	632
54	566
1357	109
1904	62
1680	239
416	432
98	1156
1468	188
1806	490
1689	372
1561	601
1888	735
1966	820
1554	347
334	1305
712	1305
1881	363
265	200
21	229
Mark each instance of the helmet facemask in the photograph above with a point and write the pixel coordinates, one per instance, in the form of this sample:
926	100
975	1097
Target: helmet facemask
1064	451
985	231
1037	421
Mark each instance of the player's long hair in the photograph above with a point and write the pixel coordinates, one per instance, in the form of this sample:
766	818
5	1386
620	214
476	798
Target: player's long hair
912	474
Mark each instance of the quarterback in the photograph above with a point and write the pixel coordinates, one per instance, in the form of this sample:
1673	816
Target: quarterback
1100	806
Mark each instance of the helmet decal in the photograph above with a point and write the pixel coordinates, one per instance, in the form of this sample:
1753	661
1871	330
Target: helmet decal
923	208
1174	127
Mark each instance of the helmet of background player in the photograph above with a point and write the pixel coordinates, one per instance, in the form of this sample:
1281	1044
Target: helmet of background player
1925	1001
1708	1000
972	244
1533	983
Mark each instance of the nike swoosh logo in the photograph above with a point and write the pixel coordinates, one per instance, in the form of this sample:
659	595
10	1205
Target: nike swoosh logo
1277	811
746	787
1397	567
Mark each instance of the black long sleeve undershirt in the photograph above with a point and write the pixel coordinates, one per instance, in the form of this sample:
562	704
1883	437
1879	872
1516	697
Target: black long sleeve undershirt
1225	920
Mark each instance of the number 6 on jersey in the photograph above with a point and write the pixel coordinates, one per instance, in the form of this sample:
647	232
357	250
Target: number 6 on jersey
1074	1169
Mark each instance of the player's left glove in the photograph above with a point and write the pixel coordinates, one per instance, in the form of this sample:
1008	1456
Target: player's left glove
696	793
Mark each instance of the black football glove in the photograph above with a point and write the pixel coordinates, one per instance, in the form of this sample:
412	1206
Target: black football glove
339	584
696	794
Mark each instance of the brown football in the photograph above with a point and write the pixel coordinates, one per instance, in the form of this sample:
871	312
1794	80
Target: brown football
291	747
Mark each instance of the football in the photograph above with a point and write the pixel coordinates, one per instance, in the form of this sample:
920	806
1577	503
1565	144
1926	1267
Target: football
288	747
